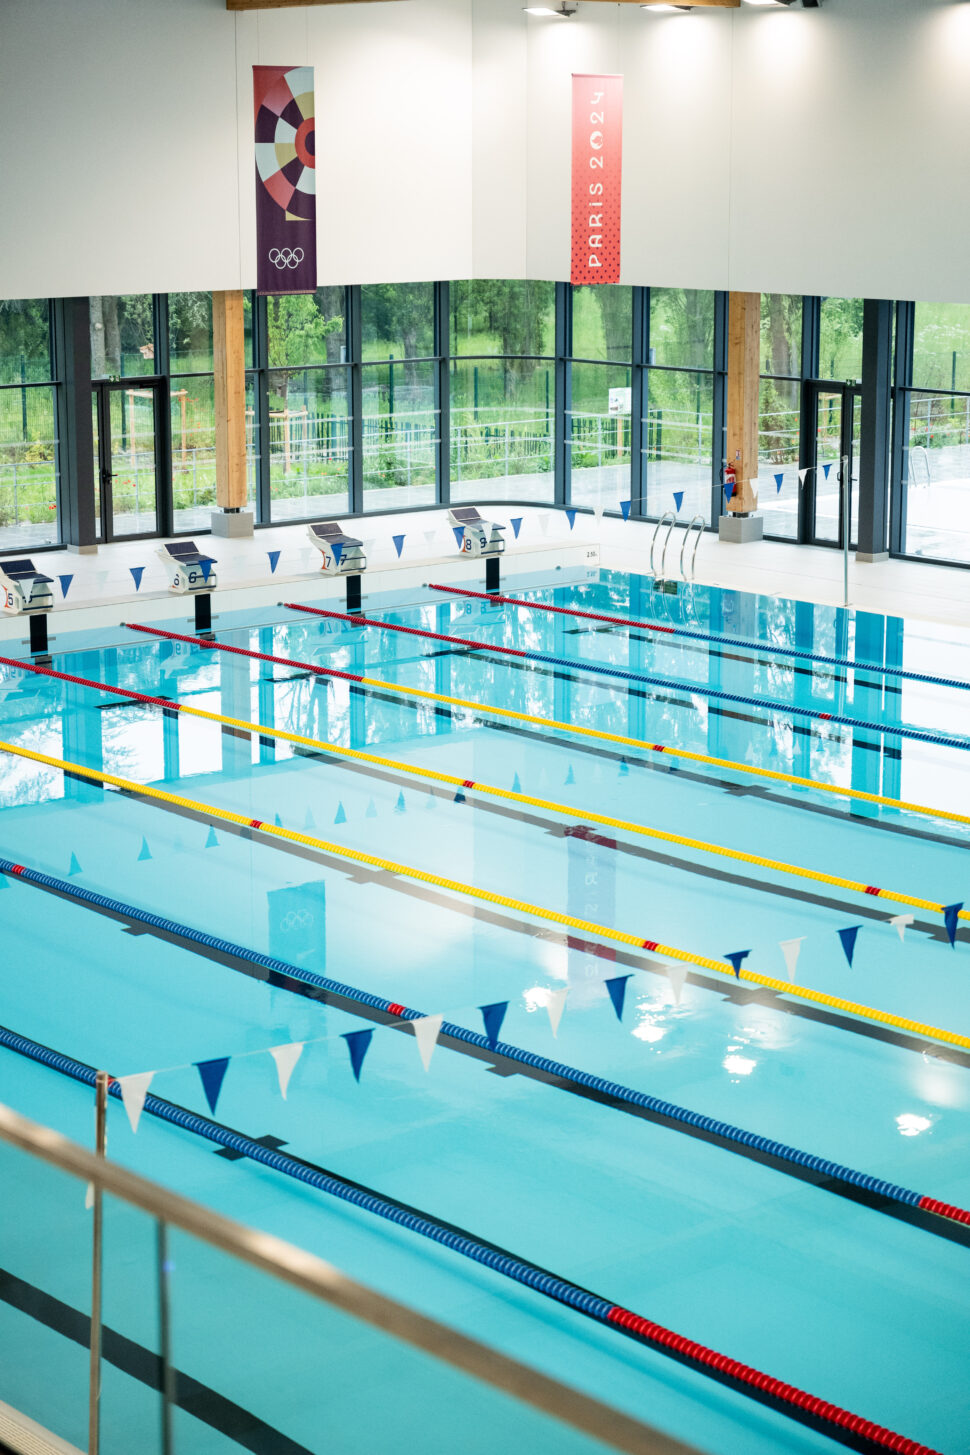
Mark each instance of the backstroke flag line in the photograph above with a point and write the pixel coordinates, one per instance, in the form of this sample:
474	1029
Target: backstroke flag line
286	204
597	178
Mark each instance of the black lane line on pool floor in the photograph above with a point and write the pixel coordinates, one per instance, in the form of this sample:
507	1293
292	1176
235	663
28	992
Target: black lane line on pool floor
507	1066
133	1359
728	990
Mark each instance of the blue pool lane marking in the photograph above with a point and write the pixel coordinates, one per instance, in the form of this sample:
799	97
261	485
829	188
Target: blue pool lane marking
898	1202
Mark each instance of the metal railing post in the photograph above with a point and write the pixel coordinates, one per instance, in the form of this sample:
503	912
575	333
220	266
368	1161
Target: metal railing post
102	1082
166	1371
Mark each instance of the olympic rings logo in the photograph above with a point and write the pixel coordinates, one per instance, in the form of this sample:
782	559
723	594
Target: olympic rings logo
286	257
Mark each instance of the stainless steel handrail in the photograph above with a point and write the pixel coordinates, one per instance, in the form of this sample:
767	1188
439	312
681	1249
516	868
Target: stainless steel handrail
321	1280
697	520
668	515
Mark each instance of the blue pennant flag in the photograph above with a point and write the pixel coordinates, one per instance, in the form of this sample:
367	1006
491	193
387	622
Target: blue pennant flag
571	517
728	491
278	821
459	533
617	992
625	508
400	806
274	560
398	544
779	481
212	842
951	918
65	584
341	817
137	573
848	938
144	852
212	1074
75	866
206	564
492	1018
516	524
570	775
338	551
736	957
516	785
358	1044
371	810
825	470
678	500
459	797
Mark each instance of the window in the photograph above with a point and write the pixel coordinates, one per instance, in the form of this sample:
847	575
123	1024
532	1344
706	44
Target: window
502	389
28	436
122	336
840	339
936	442
309	404
678	423
779	423
400	416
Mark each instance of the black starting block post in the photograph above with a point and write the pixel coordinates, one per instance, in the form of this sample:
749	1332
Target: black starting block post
353	593
491	573
38	633
203	611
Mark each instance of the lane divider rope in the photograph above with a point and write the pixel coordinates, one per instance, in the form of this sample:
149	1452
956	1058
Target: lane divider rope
484	709
577	665
488	896
840	1424
732	1138
468	785
771	649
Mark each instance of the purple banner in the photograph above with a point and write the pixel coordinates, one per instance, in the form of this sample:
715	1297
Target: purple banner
286	204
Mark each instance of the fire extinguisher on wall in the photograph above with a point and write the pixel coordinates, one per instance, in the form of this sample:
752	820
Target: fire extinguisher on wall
730	481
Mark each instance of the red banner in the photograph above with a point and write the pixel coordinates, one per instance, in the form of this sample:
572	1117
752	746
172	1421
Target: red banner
597	178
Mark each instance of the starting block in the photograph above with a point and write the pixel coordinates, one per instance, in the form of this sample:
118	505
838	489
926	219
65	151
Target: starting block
475	537
24	588
188	569
343	555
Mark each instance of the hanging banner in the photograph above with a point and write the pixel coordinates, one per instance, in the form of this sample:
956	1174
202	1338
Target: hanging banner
597	178
286	209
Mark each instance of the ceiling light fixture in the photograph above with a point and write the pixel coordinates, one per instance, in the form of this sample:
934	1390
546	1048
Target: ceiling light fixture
564	11
663	6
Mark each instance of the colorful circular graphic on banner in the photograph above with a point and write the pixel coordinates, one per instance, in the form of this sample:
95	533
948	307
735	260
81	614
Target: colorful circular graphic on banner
285	153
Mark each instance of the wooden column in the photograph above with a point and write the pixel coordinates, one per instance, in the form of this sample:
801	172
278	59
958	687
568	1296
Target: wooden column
229	358
744	384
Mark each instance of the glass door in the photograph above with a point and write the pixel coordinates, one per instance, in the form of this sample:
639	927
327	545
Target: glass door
836	410
126	459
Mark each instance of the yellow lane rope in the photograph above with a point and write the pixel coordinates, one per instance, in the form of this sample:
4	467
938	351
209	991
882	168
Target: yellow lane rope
484	709
568	810
471	891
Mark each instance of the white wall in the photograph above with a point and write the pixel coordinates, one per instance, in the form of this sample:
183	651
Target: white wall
821	151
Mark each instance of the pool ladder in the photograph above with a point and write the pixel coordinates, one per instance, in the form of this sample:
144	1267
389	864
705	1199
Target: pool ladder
661	582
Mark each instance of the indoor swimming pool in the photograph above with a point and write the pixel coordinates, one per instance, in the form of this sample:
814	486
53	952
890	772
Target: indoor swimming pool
686	888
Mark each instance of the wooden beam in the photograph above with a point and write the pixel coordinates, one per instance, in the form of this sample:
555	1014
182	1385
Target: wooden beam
229	359
744	388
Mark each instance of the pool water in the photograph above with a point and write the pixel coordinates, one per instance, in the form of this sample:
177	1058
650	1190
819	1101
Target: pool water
833	1296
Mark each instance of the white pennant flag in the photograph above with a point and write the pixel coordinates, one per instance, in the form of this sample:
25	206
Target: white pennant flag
791	949
89	1197
426	1032
286	1058
676	974
544	521
901	921
134	1089
429	536
803	474
555	1006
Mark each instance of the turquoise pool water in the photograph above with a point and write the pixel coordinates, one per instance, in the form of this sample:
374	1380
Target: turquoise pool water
827	1294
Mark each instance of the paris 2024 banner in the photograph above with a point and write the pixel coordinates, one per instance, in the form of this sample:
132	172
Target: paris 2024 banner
286	204
597	178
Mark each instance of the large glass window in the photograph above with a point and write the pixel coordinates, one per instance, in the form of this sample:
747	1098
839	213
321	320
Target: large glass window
678	424
840	339
779	420
599	423
309	404
122	336
936	412
502	389
400	419
28	436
